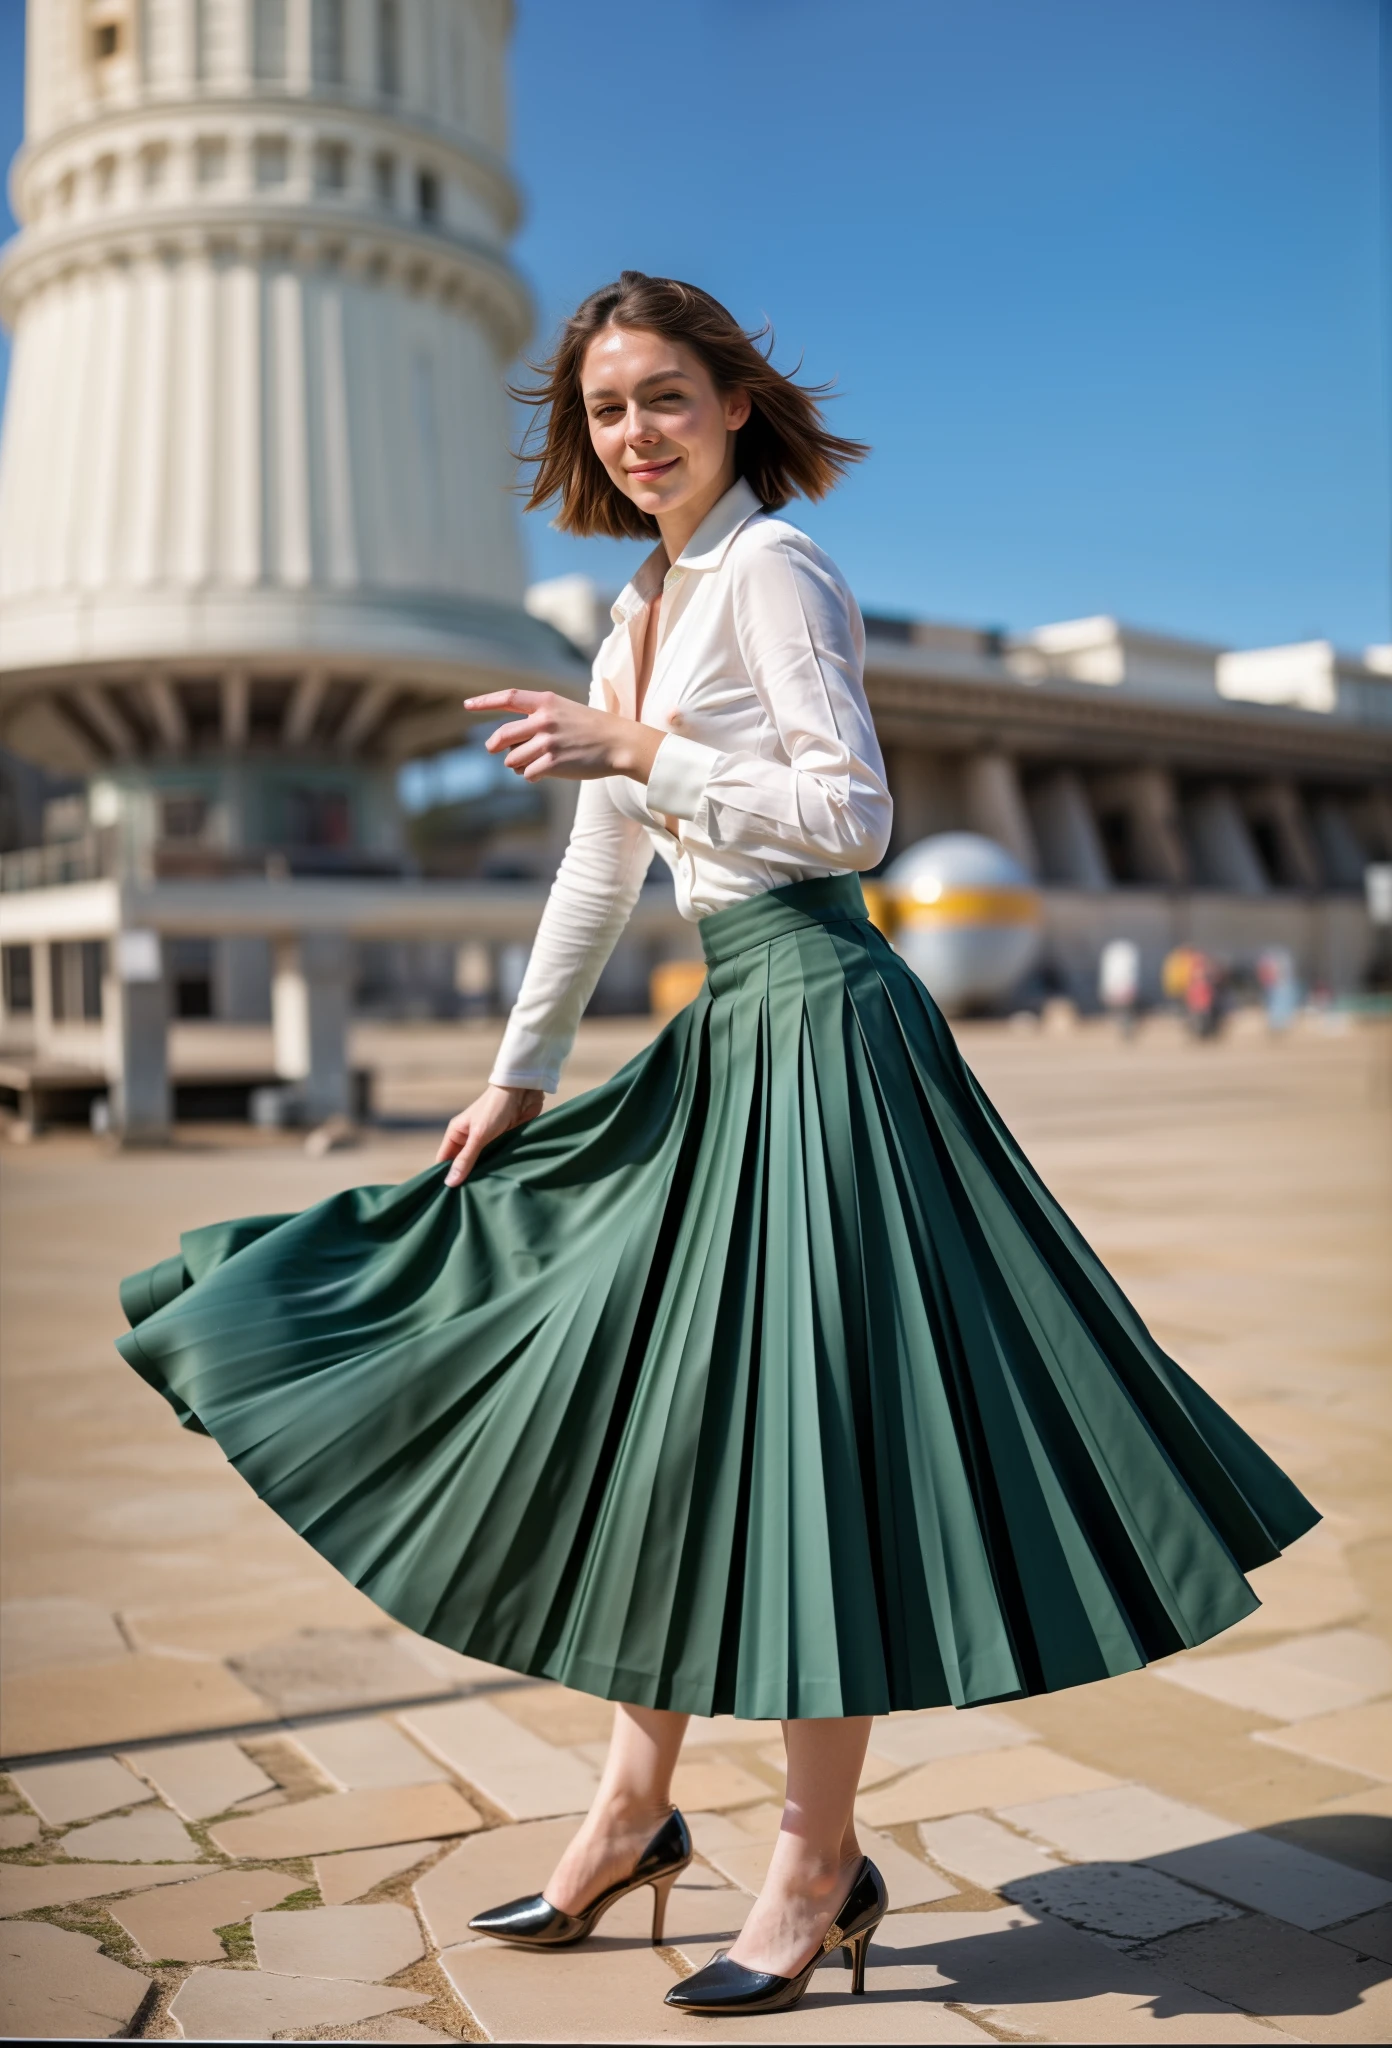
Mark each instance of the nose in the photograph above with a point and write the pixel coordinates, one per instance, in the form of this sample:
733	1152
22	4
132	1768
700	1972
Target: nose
639	430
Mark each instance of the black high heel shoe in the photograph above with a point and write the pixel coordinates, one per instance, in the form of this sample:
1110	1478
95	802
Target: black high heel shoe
535	1923
728	1988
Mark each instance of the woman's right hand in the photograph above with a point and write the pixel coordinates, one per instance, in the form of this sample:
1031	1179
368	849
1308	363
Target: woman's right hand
491	1114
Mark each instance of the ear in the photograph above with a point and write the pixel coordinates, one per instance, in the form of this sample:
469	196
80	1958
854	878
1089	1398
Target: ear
738	406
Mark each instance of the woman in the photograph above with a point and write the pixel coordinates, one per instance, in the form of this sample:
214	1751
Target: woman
765	1378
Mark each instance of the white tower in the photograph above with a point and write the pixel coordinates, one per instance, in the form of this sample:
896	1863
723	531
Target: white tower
254	481
256	533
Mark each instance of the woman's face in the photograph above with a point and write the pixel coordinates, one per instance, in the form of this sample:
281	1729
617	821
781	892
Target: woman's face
662	430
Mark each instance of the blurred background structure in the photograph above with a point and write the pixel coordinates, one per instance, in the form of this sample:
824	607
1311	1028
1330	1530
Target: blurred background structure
256	544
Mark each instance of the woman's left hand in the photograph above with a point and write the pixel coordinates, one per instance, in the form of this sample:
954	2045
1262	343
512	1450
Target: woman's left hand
554	736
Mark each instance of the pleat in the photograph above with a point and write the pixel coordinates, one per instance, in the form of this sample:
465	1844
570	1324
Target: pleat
766	1378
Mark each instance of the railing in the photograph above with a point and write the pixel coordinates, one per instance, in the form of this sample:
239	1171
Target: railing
87	859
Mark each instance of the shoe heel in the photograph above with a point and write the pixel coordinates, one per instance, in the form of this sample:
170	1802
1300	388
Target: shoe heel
855	1956
662	1891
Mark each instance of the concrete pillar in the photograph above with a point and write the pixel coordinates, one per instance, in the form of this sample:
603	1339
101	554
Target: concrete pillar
995	805
1226	855
135	1026
1277	804
1070	846
1151	804
43	998
310	990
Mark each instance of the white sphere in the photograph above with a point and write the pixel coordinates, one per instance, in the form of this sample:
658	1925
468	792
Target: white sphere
965	916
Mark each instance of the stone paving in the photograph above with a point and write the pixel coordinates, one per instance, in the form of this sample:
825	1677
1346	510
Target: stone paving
240	1804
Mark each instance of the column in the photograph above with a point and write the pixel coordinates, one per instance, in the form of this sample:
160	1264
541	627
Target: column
309	1022
996	807
926	793
1147	798
135	1023
1070	845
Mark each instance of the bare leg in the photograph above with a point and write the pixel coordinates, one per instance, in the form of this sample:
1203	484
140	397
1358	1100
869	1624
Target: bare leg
816	1855
633	1800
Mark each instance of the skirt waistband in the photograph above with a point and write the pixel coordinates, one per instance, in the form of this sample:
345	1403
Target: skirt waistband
796	907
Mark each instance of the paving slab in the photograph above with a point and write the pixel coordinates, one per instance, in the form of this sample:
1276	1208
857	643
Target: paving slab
921	1738
1369	1935
18	1830
36	1634
1128	1902
390	2028
80	1790
1117	1822
615	1992
1278	1878
1315	1989
711	1783
1291	1681
982	1851
361	1943
1310	1586
135	1697
366	1753
347	1876
200	1779
56	1985
1355	1739
488	1870
320	1670
254	1616
1044	1980
349	1820
30	1887
178	1923
149	1835
516	1771
988	1778
558	1714
253	2005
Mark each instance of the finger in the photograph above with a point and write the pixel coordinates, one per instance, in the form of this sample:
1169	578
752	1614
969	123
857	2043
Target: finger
506	700
456	1134
536	747
464	1164
509	735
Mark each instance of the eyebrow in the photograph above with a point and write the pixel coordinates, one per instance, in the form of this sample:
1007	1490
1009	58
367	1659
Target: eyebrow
658	377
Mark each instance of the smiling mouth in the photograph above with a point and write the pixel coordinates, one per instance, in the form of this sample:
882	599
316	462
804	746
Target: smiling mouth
651	469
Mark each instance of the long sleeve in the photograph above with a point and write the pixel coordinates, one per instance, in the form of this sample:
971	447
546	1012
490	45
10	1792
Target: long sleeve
802	643
591	900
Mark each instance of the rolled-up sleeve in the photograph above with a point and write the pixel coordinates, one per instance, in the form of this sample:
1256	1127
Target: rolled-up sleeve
591	900
801	641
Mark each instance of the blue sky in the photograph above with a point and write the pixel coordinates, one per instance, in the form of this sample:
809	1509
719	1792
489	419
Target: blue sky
1101	280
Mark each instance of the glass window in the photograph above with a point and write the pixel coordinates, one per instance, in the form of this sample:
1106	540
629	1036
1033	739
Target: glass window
17	967
328	42
272	160
388	47
268	39
384	179
184	815
428	196
330	166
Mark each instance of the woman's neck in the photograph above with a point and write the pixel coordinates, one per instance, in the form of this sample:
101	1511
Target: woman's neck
678	525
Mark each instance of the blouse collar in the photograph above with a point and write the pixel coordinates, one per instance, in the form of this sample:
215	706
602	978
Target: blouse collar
705	550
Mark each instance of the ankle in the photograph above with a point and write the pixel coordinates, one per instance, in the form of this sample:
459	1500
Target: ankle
623	1812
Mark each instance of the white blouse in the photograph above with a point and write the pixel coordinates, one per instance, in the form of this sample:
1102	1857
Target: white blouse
770	771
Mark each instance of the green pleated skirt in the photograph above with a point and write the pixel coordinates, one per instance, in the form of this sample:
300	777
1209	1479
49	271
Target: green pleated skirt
764	1379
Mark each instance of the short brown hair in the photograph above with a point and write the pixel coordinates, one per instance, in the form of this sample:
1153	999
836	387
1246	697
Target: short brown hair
782	451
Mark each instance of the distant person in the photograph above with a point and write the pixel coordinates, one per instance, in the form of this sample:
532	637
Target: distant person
765	1379
1119	982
